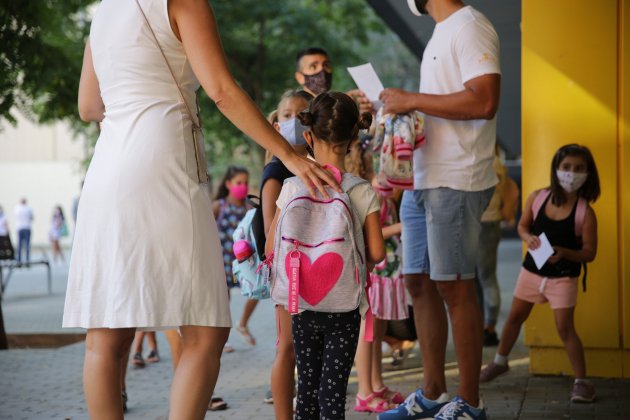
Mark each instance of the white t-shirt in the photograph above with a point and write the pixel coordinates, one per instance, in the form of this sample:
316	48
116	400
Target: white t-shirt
457	154
23	216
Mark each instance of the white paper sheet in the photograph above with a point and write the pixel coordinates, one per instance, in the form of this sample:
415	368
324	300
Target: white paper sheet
543	252
367	80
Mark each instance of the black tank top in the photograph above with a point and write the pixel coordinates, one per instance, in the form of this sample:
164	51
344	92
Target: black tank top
560	233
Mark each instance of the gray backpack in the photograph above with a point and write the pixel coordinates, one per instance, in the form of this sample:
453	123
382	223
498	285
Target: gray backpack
319	252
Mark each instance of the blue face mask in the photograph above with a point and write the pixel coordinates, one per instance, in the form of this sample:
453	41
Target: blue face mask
292	131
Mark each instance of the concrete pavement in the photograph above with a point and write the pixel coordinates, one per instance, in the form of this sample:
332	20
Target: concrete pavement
46	383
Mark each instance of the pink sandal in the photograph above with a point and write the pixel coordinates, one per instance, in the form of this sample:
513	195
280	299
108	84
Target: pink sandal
363	404
395	397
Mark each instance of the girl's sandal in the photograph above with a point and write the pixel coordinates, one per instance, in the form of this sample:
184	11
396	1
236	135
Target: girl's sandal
246	335
393	397
217	404
363	404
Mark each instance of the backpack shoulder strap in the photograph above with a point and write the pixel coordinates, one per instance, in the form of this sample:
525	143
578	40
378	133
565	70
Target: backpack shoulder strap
580	213
539	200
350	181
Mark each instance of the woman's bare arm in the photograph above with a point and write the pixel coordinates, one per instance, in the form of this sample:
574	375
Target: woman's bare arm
195	23
91	107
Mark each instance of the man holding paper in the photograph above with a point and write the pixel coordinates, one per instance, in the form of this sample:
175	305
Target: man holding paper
453	183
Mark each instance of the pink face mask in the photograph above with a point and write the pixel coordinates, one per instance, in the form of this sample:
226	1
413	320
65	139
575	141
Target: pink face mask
239	191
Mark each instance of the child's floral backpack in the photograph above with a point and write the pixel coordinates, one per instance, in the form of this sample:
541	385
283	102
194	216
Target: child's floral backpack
396	136
246	267
319	251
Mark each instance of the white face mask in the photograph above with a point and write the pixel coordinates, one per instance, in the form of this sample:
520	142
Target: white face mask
292	131
571	181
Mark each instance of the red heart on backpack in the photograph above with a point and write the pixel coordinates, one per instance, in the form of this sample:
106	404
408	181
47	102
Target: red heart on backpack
317	279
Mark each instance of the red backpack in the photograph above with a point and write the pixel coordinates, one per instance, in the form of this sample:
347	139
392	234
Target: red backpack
580	213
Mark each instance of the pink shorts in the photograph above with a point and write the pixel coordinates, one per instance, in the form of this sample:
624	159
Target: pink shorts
560	292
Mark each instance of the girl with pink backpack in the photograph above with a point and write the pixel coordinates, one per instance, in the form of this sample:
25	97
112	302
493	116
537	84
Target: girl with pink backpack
321	251
562	213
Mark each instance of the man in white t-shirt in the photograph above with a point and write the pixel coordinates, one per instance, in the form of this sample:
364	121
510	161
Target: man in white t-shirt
453	183
23	221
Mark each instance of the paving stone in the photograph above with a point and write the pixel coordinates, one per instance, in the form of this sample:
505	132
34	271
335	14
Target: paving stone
47	383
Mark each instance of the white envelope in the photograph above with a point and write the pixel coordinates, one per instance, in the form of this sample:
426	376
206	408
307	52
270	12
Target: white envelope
367	80
543	252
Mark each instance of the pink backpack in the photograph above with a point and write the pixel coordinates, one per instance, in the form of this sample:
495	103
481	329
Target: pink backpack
580	213
319	251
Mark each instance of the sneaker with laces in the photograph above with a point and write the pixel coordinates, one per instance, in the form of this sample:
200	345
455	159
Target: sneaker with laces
492	371
583	392
416	406
459	409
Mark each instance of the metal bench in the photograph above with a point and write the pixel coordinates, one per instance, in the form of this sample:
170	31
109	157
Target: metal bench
8	262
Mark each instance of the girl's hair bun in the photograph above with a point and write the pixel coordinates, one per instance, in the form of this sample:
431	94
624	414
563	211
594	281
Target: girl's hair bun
365	121
306	118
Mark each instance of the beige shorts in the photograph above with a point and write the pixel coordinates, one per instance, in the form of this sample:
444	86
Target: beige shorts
560	292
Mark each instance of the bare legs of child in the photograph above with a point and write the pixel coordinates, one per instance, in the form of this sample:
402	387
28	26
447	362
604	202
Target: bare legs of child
367	400
242	328
282	371
583	390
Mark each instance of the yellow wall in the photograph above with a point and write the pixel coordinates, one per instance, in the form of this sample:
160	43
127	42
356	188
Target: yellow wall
572	91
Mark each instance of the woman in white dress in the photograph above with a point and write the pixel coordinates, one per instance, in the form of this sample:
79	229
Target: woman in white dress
146	252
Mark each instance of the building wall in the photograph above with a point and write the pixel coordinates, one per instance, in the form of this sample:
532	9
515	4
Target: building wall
43	164
574	89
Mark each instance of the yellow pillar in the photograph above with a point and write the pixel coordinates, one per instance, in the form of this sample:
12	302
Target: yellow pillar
575	83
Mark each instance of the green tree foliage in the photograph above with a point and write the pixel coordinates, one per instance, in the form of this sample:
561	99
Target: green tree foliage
41	49
261	39
42	42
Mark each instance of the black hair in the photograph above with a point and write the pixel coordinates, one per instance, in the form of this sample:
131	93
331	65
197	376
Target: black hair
60	212
334	118
230	173
308	51
590	191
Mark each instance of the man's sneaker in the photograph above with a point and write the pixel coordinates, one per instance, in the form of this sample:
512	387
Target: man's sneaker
416	406
459	409
268	397
583	392
492	371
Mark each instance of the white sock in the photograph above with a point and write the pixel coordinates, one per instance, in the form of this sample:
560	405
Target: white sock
500	360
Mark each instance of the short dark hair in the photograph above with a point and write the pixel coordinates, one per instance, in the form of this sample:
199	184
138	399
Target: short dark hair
308	51
334	118
230	173
590	191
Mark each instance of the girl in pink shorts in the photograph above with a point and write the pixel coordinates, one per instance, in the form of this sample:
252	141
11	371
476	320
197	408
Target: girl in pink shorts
562	212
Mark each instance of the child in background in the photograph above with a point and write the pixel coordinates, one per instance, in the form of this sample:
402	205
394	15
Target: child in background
56	232
373	396
229	208
325	343
555	212
274	174
136	348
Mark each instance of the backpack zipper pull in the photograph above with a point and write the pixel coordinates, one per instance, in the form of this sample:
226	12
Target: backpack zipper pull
294	281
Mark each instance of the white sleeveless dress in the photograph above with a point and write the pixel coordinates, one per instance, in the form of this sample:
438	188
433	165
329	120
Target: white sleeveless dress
146	252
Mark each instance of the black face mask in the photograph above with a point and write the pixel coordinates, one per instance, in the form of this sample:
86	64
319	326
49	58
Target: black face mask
318	82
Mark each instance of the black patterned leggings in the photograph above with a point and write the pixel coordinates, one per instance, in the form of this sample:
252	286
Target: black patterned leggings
324	345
